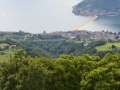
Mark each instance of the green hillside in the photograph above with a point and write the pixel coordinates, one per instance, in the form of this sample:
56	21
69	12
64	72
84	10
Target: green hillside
98	7
107	46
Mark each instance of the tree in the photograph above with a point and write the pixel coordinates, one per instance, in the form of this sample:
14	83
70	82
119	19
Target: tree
44	32
113	46
6	47
22	73
105	76
68	72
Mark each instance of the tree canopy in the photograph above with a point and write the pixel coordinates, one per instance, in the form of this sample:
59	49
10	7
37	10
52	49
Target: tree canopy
68	72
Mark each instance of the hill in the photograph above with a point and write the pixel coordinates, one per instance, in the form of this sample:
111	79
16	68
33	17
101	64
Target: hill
97	7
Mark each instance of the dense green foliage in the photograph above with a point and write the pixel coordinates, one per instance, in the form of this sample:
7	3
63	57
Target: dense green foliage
55	49
45	45
9	41
51	49
67	72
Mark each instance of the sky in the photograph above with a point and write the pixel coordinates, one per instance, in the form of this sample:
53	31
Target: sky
32	15
18	14
36	16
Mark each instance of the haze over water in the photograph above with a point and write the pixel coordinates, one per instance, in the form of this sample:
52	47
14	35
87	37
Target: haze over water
35	16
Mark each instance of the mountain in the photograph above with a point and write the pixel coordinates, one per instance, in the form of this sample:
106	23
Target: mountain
97	7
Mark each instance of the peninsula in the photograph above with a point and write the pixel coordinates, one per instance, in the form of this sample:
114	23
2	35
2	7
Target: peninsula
97	7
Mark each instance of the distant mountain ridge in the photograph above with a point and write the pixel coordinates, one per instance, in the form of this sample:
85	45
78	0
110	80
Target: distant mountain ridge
97	7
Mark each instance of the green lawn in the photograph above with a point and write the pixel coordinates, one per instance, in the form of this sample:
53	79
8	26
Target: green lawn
7	54
4	58
10	51
106	46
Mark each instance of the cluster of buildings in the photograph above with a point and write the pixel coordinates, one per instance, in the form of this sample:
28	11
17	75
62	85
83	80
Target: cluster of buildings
99	12
95	35
87	12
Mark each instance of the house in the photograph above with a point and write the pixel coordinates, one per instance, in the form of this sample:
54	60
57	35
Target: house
13	46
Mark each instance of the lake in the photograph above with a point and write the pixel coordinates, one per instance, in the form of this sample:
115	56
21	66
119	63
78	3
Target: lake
36	16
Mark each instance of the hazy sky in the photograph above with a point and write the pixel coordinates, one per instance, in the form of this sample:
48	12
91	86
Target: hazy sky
35	16
19	14
31	15
28	15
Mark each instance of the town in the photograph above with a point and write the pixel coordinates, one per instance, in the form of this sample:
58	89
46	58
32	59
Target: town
73	34
93	36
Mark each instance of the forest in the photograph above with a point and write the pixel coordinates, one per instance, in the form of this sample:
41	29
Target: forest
67	72
69	64
55	49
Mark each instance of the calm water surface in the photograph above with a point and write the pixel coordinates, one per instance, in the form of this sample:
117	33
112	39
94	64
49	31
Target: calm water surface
35	16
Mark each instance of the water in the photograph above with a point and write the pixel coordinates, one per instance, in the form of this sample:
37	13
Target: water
49	15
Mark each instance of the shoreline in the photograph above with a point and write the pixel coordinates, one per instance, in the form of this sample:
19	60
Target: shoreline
87	12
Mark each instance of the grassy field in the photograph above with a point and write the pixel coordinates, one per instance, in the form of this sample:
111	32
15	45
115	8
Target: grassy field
4	58
106	47
3	45
6	55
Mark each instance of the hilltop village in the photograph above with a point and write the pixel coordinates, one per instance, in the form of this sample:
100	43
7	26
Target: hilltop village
75	34
93	36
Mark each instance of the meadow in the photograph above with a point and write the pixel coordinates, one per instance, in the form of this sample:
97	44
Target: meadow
7	53
3	45
107	46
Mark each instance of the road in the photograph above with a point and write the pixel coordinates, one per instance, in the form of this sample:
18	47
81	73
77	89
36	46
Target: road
84	24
